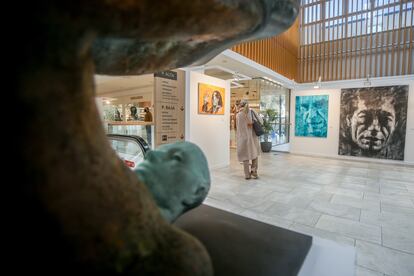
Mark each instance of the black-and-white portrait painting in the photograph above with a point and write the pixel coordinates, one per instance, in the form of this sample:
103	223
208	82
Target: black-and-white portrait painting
373	122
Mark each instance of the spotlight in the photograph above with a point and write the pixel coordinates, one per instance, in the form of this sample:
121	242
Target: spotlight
367	82
317	84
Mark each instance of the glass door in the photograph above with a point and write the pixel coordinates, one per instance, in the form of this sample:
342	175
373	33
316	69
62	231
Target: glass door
278	99
282	124
263	95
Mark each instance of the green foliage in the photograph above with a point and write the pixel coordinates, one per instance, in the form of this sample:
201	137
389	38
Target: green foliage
269	118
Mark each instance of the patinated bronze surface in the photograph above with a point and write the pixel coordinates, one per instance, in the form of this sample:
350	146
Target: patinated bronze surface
184	181
77	208
179	33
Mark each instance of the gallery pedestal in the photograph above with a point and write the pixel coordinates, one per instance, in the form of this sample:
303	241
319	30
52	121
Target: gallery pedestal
241	246
327	258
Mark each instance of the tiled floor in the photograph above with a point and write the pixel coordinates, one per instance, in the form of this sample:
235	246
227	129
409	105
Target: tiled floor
366	205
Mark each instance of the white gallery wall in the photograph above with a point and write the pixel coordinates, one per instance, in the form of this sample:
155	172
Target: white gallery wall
328	147
210	132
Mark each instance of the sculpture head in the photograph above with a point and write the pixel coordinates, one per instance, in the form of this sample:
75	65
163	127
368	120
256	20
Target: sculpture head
177	176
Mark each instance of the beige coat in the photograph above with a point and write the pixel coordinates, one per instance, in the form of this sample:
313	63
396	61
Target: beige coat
248	147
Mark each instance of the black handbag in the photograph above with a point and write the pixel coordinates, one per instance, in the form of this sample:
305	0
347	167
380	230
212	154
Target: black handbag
257	126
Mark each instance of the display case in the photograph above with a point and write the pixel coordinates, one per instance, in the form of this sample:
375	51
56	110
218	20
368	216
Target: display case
113	112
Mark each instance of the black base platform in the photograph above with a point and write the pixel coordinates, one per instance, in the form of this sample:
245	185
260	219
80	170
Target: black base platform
242	246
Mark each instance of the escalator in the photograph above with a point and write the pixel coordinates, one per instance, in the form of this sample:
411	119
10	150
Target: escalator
130	148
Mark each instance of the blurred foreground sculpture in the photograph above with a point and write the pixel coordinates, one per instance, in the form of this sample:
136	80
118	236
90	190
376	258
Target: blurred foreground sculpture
178	177
78	209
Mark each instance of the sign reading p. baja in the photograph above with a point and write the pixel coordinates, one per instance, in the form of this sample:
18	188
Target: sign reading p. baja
169	105
171	75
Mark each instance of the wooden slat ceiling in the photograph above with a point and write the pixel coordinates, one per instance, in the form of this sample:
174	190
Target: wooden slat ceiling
341	39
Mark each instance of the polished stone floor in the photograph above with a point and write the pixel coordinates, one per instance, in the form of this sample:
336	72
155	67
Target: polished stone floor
366	205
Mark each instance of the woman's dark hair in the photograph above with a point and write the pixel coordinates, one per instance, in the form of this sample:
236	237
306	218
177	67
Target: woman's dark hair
220	101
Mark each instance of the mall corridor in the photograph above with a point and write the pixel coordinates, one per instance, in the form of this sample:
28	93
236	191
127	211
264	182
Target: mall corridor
369	206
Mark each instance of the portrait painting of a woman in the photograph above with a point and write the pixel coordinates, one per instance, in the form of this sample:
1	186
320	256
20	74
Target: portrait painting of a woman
211	99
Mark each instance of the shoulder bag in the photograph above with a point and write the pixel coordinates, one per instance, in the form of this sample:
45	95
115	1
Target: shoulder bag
257	126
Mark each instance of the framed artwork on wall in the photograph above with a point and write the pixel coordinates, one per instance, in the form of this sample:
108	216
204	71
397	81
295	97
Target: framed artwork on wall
211	99
373	122
311	116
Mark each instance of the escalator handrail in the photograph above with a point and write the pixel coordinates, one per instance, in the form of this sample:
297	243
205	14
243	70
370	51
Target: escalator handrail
138	139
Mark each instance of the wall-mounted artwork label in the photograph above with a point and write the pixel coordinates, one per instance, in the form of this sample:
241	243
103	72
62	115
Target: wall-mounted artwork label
373	122
210	99
311	118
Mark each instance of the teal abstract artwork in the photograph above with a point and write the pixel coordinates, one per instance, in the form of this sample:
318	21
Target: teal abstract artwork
311	116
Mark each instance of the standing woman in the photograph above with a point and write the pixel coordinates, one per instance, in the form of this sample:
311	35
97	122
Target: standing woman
248	147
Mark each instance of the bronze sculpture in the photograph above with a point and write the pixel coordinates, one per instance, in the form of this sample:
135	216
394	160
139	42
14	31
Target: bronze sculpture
78	208
177	176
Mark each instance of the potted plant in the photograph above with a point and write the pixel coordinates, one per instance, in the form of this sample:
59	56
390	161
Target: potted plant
269	118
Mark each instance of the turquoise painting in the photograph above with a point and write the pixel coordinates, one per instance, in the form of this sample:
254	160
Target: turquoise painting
312	116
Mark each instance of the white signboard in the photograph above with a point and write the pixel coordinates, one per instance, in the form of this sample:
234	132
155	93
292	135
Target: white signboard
169	99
